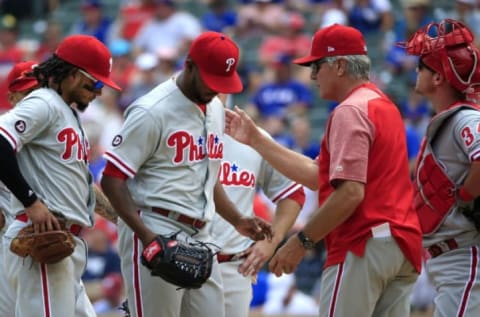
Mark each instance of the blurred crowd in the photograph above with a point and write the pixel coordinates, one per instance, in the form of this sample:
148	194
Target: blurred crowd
148	40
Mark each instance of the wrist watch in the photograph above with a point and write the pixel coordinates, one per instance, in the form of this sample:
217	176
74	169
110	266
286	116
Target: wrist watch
306	242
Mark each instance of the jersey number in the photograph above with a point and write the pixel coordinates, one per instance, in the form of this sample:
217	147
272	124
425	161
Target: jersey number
467	135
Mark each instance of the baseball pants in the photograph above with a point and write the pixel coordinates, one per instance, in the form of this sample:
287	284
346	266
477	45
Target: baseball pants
47	290
237	289
377	285
151	295
455	275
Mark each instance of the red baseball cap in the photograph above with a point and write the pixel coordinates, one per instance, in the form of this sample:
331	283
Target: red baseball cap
17	79
334	40
216	57
89	54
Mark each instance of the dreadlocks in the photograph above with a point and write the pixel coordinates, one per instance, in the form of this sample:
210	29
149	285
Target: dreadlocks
53	68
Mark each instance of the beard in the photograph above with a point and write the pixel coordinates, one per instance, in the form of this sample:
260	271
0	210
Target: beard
201	99
80	106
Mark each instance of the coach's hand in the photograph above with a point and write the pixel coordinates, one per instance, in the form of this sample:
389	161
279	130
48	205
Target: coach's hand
240	126
255	228
287	258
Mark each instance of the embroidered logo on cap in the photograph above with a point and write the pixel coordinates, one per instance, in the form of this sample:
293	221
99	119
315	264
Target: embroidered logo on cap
230	62
330	49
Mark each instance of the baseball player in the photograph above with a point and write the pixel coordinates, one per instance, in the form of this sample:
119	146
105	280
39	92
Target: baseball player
162	177
447	175
20	83
243	170
44	165
371	232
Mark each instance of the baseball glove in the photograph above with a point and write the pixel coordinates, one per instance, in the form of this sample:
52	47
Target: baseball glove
44	247
184	264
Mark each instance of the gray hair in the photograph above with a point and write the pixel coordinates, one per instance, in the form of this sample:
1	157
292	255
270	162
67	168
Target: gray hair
358	66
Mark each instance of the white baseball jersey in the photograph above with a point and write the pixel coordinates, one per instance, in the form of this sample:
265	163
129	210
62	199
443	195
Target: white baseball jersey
454	273
172	152
51	149
455	151
243	169
177	151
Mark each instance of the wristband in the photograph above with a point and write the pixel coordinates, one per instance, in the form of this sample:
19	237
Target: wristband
151	250
28	200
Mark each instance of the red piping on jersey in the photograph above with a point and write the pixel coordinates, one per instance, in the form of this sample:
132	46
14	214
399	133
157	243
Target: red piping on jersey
10	138
113	171
283	193
46	295
203	107
475	157
297	196
115	160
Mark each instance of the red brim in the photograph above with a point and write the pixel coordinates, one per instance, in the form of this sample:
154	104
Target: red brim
222	84
107	81
306	61
23	85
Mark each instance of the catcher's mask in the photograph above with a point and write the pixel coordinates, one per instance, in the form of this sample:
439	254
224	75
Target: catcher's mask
447	48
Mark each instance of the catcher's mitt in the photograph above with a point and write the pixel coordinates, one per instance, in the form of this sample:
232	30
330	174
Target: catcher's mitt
45	247
184	264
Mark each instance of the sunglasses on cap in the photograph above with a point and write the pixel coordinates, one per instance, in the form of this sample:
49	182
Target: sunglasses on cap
315	66
97	84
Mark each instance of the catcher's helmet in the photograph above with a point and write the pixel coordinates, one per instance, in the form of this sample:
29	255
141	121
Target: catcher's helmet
447	47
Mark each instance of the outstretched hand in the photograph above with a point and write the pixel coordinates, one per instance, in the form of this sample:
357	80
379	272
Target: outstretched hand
287	258
255	228
240	126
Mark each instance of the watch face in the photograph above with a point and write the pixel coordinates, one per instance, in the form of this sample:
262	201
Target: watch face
306	242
